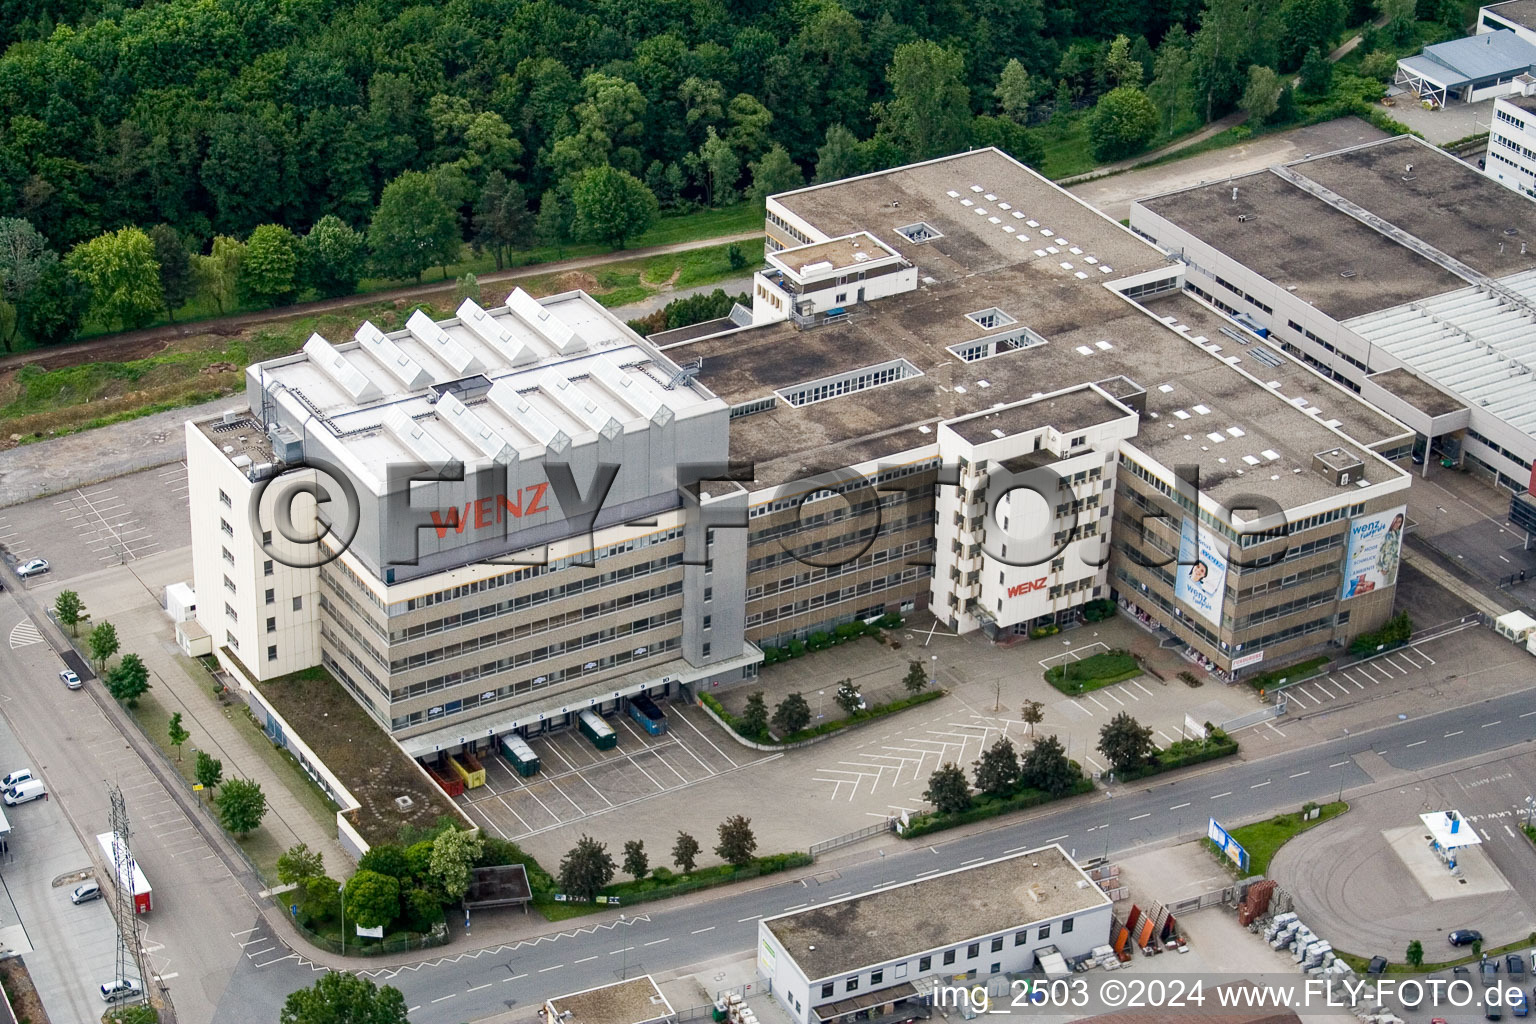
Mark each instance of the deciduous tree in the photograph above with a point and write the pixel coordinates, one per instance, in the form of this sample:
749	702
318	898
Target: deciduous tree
269	276
502	220
1316	73
1046	767
928	113
1125	742
24	258
848	697
299	864
839	155
947	789
454	853
1014	91
737	843
103	643
685	852
218	273
373	900
331	257
586	868
120	270
1122	123
1262	95
774	173
916	677
754	717
69	610
341	997
636	863
177	734
792	715
414	227
997	770
55	307
241	805
209	770
611	206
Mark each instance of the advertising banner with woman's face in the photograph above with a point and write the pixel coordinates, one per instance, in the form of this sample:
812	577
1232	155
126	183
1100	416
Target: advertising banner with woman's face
1375	544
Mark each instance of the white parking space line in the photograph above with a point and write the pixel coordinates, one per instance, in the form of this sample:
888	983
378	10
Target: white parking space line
1274	730
1083	709
1110	694
1295	694
1102	706
1143	689
1426	657
1165	736
1342	688
706	739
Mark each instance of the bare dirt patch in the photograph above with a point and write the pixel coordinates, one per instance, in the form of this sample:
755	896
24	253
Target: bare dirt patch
22	993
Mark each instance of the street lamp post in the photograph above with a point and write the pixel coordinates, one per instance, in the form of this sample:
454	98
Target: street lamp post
935	670
624	956
820	696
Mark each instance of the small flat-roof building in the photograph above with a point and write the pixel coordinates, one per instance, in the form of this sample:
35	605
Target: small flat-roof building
633	1001
1469	69
867	957
1517	16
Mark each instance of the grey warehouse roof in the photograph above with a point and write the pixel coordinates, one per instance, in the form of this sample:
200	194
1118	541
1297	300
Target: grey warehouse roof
1458	62
933	913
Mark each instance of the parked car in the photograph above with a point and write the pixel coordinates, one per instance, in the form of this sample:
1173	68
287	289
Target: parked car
70	679
1514	964
1488	968
85	892
121	988
1465	936
1378	965
1460	969
24	792
1517	1004
36	567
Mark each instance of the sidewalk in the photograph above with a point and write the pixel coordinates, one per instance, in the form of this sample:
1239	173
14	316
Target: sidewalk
128	600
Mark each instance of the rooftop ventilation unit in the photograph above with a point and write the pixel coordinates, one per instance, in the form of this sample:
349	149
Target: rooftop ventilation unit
436	340
559	334
356	384
474	430
485	327
389	355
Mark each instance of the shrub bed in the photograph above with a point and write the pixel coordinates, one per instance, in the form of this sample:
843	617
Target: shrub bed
984	807
878	711
663	884
1290	673
1395	633
822	639
1182	754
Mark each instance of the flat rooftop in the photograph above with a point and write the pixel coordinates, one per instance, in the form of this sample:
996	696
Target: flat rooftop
1420	394
838	254
635	1001
931	913
1207	400
1326	257
1068	412
1520	12
1523	102
1447	203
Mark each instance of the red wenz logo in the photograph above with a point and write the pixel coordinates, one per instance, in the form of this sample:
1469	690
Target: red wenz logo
1025	588
490	511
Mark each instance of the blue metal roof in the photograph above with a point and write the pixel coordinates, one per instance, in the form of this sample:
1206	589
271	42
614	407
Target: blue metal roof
1474	58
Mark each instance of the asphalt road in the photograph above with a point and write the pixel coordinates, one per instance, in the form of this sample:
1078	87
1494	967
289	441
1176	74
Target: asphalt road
596	949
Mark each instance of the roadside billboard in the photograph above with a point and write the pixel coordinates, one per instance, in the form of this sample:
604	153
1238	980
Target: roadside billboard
1227	845
1375	543
1201	579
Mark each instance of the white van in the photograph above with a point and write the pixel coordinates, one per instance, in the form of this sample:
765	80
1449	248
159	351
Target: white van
16	778
23	792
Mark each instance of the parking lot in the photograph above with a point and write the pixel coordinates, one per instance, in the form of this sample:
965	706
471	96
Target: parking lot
1350	682
576	781
116	522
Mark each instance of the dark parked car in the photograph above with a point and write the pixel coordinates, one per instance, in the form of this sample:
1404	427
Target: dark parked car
1378	965
1514	963
1465	936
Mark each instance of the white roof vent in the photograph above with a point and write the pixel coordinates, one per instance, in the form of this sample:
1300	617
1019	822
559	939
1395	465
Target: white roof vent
357	385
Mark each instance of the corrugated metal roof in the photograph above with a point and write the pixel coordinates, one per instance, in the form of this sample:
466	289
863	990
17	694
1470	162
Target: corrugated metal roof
1471	342
1473	58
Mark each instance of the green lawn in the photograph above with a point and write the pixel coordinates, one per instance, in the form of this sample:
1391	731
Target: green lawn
1360	963
1288	673
1263	839
1092	673
1067	151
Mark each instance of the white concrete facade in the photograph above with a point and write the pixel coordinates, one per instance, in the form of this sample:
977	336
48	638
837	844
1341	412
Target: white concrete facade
1511	157
1073	931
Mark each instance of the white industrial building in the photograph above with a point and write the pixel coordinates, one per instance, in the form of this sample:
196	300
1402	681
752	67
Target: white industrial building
1392	267
871	957
1492	63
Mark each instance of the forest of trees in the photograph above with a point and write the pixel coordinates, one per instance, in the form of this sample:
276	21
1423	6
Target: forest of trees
260	150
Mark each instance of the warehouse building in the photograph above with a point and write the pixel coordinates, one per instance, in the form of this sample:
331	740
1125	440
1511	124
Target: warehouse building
1393	267
959	389
872	956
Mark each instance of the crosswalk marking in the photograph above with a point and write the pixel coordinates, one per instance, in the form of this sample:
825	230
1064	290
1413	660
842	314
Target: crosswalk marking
25	633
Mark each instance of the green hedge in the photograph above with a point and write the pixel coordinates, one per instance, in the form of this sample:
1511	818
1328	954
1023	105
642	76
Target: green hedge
822	639
1301	670
663	884
1397	631
1182	754
990	807
877	711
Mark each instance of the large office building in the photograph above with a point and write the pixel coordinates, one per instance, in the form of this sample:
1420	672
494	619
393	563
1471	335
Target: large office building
1393	267
871	956
959	389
